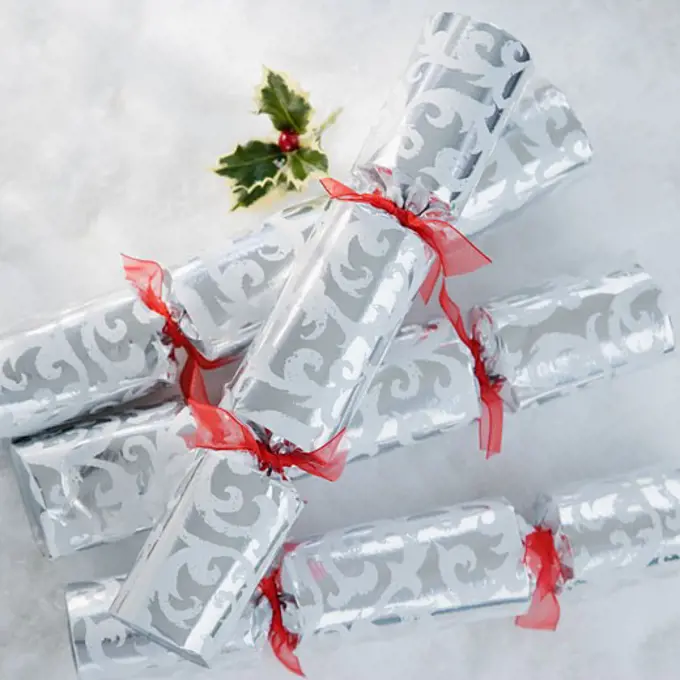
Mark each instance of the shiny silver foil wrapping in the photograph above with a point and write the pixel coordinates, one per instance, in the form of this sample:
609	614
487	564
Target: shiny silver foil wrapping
199	567
453	565
103	479
543	144
313	361
105	649
111	477
104	353
617	531
426	386
544	342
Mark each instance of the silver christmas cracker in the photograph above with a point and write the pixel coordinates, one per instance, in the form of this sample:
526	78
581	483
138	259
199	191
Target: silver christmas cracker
545	341
453	565
618	531
226	297
110	477
313	361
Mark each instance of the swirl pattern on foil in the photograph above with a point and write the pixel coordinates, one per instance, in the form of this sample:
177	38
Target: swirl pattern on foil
615	531
444	118
103	480
103	354
425	387
202	562
548	340
458	561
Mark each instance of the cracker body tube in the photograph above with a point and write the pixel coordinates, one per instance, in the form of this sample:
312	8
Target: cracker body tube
546	341
223	299
615	531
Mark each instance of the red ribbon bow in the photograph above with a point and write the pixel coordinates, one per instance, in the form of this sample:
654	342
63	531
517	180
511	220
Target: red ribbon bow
282	641
540	556
147	278
219	430
491	422
456	255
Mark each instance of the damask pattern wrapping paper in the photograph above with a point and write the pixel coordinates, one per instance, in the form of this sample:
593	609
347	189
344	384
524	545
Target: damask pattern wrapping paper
111	477
457	564
70	367
313	361
202	563
545	341
102	354
104	479
613	532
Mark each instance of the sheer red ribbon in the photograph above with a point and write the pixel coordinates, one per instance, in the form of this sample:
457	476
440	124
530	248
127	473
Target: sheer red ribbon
542	559
282	641
491	422
456	255
147	278
219	430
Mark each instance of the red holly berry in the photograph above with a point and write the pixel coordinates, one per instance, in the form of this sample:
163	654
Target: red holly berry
289	140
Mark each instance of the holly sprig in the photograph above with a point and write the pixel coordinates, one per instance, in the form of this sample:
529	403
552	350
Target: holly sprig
260	167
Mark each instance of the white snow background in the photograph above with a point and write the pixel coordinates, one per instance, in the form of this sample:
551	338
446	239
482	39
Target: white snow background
112	114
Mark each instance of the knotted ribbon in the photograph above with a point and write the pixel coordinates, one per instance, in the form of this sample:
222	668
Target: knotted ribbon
491	422
456	255
282	641
541	557
147	278
219	430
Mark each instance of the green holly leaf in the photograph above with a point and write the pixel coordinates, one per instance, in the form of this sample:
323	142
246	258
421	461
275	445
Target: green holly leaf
254	163
287	109
305	162
245	198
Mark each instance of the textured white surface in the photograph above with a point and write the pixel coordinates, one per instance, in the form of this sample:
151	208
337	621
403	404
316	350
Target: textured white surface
113	114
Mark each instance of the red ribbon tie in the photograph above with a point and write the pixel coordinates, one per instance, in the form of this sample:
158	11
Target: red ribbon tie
456	254
491	422
282	641
219	430
541	558
147	278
